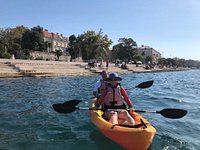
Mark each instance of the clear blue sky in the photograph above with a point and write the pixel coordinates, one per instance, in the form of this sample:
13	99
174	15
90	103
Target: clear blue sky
172	27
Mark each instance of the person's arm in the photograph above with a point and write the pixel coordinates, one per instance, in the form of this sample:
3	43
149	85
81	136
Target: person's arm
126	98
101	98
96	87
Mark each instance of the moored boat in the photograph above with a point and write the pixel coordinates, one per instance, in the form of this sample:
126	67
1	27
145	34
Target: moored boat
138	137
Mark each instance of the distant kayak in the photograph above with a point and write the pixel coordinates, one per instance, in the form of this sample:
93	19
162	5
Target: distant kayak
137	137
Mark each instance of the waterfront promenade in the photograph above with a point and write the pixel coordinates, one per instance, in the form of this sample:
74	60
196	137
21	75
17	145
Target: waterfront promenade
40	68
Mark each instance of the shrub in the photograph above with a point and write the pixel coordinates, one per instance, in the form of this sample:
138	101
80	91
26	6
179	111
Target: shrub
6	55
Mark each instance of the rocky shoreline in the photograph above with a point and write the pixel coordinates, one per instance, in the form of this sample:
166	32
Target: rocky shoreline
37	68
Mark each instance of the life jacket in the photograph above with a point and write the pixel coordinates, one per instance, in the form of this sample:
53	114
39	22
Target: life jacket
113	96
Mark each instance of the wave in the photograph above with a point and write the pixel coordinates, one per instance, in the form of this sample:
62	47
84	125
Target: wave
173	99
161	98
167	142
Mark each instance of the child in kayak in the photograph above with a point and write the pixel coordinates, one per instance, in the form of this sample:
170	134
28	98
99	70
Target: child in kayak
115	97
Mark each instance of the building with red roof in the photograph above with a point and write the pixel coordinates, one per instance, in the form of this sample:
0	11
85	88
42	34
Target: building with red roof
54	41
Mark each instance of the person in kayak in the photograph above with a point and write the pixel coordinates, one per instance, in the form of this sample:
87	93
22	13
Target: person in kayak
100	84
114	96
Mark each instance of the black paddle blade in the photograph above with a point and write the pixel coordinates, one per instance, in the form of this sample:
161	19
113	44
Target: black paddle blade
173	113
66	107
73	102
60	108
144	85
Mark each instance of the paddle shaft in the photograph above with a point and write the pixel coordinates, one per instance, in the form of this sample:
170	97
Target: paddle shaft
93	108
167	112
144	111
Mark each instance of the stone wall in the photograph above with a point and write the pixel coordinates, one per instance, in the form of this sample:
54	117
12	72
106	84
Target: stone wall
36	55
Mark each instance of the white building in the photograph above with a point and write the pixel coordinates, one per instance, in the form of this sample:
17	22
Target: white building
55	41
149	51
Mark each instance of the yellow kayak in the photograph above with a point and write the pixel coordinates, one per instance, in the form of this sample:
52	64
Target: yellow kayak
137	137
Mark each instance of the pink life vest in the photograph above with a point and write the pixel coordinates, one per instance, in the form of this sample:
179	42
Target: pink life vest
114	95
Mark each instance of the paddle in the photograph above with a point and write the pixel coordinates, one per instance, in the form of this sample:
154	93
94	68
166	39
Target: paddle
144	85
172	113
70	106
66	106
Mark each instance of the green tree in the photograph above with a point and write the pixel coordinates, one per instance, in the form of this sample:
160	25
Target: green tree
12	37
162	62
181	62
4	35
137	58
1	50
33	39
170	62
4	38
58	53
14	48
148	59
90	45
6	55
125	49
73	46
15	34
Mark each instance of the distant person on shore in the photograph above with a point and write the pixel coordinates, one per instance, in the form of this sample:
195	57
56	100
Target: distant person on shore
107	64
100	84
101	63
13	56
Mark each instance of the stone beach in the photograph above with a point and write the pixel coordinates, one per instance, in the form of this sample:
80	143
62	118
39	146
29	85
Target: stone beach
41	68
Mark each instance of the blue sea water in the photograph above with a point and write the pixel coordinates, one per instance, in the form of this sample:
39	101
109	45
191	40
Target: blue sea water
28	122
